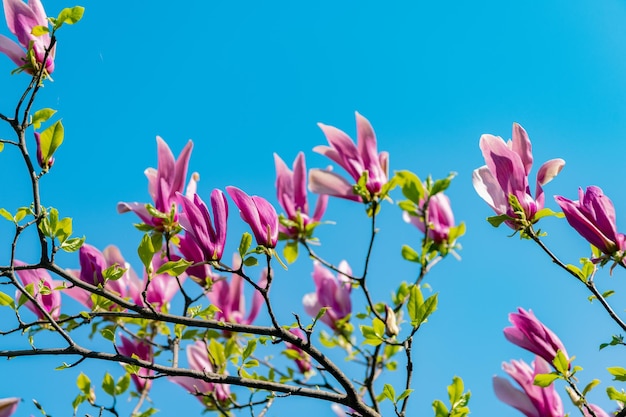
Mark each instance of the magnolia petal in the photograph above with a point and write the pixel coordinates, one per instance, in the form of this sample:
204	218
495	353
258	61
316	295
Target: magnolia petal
12	50
8	406
180	168
367	146
489	190
521	145
326	182
508	394
549	170
299	184
345	153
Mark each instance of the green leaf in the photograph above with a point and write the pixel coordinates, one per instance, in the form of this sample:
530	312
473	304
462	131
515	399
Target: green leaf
416	299
590	386
618	372
73	244
290	251
560	362
440	409
6	300
250	261
108	334
410	254
84	383
544	380
412	187
174	268
113	273
39	30
50	139
379	327
389	392
63	229
69	16
425	310
616	395
442	184
122	384
108	384
41	116
292	354
4	213
216	352
576	270
244	244
496	221
455	390
250	347
405	394
146	252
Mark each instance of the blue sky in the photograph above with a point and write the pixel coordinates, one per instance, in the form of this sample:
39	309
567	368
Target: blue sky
246	79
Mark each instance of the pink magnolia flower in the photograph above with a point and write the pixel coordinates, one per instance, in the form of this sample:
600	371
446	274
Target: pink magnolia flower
292	195
355	159
593	217
92	263
21	19
8	406
198	358
304	362
440	218
50	300
259	214
163	183
332	292
143	350
506	174
203	239
229	298
531	400
529	333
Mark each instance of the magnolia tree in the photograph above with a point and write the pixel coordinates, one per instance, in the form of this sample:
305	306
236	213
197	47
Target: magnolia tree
208	343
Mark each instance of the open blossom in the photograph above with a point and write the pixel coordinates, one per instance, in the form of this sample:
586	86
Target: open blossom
440	218
8	406
292	195
143	351
593	217
532	400
259	214
529	333
330	291
204	239
163	183
229	297
92	263
355	159
50	301
21	19
506	174
198	358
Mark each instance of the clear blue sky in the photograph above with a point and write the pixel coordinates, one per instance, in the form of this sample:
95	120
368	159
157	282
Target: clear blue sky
246	79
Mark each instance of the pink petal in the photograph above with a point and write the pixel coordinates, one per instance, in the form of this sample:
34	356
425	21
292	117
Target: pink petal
522	147
327	182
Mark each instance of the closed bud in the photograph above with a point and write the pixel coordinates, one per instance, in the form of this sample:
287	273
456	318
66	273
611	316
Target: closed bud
391	326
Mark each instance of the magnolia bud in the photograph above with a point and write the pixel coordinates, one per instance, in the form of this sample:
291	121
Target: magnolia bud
391	327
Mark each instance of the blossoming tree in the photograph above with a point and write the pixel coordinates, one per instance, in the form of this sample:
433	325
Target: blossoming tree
187	313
